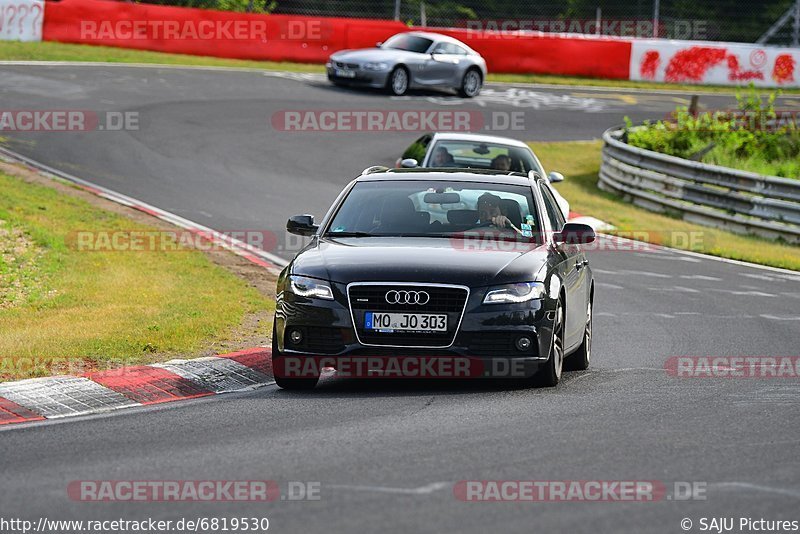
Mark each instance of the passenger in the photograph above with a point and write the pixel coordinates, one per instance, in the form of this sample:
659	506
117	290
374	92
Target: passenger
489	211
501	163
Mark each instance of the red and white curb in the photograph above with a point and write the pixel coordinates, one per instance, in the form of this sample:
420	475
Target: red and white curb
56	397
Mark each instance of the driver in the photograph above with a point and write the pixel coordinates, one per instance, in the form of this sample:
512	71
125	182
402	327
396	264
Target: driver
442	158
502	163
489	211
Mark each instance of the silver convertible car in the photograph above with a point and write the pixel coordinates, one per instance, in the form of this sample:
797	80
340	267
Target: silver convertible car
478	151
411	60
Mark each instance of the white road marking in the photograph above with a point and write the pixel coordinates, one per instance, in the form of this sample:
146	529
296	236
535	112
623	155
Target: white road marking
780	318
422	490
749	293
610	286
646	273
701	277
755	487
674	289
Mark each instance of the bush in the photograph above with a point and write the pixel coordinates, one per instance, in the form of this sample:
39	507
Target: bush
753	137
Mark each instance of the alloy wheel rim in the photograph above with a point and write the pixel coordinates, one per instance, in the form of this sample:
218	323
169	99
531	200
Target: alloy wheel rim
399	81
588	339
472	83
558	341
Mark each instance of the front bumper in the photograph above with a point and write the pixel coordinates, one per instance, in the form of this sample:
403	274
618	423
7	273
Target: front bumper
368	78
487	335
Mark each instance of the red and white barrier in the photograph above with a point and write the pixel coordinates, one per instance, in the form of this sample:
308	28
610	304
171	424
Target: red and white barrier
714	63
314	39
21	20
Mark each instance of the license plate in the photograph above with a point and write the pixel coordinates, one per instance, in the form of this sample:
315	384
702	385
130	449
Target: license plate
345	73
405	322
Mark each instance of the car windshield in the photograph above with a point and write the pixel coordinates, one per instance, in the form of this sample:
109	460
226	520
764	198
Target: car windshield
416	208
409	43
480	155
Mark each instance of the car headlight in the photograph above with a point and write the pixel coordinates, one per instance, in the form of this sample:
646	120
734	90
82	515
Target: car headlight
514	293
374	66
309	287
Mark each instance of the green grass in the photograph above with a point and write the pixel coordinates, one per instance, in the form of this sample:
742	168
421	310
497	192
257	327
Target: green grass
50	51
580	163
99	308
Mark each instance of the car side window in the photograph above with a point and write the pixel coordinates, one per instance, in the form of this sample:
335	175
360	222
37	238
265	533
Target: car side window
459	51
418	148
441	48
553	211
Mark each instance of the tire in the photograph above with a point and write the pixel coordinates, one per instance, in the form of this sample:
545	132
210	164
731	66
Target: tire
291	384
398	81
471	84
550	373
581	358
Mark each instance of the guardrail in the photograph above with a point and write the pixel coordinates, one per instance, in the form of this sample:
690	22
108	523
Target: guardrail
740	201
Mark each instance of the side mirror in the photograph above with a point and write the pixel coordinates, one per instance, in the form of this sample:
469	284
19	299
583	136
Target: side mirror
378	44
575	234
301	225
555	177
409	163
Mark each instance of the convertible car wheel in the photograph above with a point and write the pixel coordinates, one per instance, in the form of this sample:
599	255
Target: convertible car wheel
471	84
398	81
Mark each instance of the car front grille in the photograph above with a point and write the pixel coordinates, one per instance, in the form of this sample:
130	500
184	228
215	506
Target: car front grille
443	299
342	65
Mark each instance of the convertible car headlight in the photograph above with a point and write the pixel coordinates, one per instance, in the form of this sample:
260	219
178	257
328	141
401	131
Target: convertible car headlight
374	66
513	293
309	287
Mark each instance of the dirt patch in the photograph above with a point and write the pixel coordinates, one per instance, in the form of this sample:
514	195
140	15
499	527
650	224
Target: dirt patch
19	257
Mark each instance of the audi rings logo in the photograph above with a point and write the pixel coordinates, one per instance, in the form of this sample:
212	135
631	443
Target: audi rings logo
407	297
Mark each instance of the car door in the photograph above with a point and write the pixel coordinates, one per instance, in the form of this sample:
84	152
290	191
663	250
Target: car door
575	279
440	66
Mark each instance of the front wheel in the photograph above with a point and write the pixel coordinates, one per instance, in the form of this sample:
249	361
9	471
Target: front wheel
398	81
279	371
471	84
580	359
550	373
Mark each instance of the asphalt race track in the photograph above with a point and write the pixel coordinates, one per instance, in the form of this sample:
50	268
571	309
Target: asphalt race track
387	454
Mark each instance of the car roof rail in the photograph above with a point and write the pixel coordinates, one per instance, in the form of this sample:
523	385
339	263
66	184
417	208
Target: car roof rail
374	169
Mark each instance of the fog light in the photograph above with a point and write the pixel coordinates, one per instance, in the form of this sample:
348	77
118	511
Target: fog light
295	336
523	343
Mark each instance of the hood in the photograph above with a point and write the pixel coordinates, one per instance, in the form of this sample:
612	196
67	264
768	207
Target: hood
364	55
438	260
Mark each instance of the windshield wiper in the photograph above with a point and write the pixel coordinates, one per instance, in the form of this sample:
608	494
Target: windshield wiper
349	234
